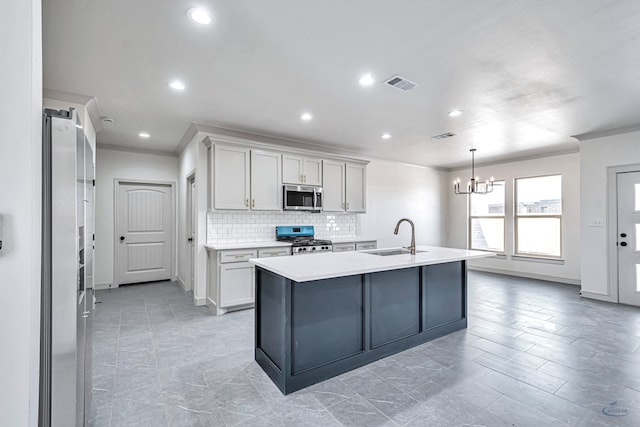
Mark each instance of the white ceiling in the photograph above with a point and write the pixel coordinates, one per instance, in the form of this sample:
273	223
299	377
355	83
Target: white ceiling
528	74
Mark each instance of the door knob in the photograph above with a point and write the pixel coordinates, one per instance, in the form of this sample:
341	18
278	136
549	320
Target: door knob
623	234
623	243
121	238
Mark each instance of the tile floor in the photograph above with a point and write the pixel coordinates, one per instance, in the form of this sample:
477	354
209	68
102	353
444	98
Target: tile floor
535	354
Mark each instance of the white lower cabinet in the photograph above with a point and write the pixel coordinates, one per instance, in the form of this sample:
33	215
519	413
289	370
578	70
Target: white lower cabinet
231	278
344	247
364	246
359	245
238	284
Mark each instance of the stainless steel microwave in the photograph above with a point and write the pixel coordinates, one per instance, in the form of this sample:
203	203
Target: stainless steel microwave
302	198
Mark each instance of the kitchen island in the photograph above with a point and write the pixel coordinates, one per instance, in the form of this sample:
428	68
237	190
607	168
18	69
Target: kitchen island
322	315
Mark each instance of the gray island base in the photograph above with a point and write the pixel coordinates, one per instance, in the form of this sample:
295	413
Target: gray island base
309	331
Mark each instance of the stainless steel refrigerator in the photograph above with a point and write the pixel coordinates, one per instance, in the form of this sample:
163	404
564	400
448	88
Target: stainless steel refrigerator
67	264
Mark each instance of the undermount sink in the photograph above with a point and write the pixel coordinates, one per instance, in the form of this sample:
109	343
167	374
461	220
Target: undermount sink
390	252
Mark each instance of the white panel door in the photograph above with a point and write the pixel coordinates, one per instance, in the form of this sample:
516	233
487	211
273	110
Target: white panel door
312	171
237	284
231	178
144	232
292	169
193	212
266	181
629	237
356	188
333	186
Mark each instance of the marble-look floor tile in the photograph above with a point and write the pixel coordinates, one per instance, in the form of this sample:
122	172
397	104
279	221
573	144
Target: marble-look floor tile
535	354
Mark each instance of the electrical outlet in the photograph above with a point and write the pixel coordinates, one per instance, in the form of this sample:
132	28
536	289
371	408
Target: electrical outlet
595	222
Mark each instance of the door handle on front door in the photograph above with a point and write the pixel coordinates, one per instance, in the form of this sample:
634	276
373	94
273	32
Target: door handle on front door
623	235
121	238
190	239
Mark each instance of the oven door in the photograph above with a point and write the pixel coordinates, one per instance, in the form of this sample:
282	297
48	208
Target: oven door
300	198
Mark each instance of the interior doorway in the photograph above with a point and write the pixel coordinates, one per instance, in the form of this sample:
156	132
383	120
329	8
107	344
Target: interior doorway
628	236
144	232
192	211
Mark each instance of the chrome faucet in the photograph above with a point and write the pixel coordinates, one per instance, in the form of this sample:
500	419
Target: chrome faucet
411	248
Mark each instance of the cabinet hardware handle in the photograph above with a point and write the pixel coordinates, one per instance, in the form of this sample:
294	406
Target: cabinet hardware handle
241	255
246	202
347	206
253	203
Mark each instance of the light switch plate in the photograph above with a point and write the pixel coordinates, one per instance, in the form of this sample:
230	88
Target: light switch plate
595	222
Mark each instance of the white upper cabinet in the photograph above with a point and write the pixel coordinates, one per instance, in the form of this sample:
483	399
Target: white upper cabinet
356	182
344	187
231	177
266	181
333	186
301	170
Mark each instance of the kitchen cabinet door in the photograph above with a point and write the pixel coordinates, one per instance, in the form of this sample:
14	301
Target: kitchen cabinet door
301	170
266	181
292	166
312	171
237	284
333	186
356	182
231	178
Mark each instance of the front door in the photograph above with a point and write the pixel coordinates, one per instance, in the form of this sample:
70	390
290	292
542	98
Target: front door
629	237
144	232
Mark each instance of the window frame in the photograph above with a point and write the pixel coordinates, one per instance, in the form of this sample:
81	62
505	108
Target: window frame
516	216
471	217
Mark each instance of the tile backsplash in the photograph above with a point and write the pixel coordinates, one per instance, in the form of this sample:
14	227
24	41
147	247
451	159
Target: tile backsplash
240	227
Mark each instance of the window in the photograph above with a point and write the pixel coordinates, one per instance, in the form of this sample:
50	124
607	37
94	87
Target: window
538	218
486	220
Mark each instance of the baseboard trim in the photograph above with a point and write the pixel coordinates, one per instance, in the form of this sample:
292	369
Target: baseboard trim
102	286
564	280
599	297
200	301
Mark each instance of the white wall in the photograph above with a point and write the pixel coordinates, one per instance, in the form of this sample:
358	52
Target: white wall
193	159
20	207
115	164
596	156
569	166
396	190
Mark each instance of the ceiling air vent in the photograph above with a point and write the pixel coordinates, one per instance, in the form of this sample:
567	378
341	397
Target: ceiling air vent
401	83
444	135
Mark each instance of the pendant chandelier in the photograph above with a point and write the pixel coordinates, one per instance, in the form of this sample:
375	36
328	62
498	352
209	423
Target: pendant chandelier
474	185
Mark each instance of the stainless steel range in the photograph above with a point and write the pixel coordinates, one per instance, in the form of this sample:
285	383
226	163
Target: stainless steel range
302	239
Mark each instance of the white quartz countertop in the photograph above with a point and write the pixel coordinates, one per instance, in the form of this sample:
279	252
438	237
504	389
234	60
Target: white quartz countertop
353	239
245	245
305	268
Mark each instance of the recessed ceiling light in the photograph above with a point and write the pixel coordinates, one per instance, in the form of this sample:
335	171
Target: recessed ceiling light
454	113
306	117
366	80
386	136
199	16
144	135
177	85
